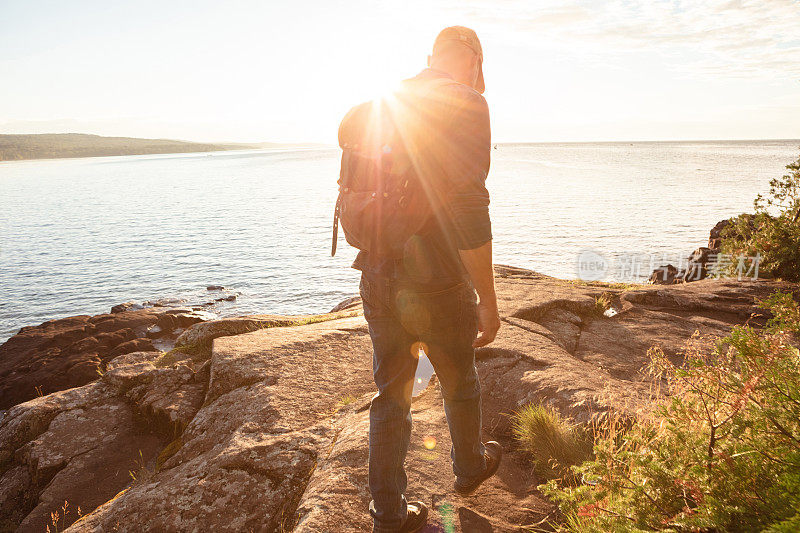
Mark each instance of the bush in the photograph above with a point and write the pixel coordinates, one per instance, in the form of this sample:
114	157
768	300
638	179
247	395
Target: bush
721	451
773	233
549	440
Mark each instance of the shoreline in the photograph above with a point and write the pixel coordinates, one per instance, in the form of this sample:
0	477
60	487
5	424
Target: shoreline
217	306
188	154
55	146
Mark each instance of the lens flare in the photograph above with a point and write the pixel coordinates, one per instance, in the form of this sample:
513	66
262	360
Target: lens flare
429	442
448	517
418	349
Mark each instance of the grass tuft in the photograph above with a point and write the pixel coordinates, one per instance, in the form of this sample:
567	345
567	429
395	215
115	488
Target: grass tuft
602	303
60	519
621	286
550	440
141	472
168	451
345	400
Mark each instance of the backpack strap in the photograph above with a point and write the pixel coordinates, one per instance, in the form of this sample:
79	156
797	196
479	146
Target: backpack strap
335	237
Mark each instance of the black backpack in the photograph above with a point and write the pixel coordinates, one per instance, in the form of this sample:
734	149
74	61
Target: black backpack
382	201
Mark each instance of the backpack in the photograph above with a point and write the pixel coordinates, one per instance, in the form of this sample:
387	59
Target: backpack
382	201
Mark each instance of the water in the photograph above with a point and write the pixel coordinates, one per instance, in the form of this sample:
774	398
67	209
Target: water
78	236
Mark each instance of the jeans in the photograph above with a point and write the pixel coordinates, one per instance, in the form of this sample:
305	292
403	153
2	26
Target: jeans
444	323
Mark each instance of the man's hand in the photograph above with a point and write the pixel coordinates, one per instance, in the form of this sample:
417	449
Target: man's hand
488	323
478	263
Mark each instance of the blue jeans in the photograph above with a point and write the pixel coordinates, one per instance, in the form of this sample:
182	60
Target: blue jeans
445	323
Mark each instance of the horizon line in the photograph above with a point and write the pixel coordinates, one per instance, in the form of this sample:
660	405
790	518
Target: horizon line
494	143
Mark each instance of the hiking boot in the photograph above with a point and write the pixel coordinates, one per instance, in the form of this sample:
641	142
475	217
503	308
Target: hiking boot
493	454
417	517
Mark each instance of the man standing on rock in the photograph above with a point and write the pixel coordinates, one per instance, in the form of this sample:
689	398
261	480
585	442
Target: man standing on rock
422	266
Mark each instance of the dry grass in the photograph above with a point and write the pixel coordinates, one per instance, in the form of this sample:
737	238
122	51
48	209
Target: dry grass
59	519
346	399
168	451
550	440
620	286
602	303
140	472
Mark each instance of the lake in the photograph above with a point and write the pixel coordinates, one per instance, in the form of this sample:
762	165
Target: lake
80	235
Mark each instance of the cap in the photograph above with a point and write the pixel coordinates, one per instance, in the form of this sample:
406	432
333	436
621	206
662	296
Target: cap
470	38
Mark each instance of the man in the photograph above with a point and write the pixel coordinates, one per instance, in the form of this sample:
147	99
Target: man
427	299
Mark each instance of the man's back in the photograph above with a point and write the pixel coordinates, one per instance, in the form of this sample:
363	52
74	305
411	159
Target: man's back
446	132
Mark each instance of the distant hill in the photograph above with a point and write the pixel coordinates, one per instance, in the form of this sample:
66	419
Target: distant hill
57	145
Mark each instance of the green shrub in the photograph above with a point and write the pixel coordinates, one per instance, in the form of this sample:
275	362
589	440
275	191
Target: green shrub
549	440
773	233
721	451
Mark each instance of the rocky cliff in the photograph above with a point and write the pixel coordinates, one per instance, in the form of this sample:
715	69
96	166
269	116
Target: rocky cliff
260	423
60	354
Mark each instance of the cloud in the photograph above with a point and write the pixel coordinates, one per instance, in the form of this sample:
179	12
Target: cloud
731	38
559	16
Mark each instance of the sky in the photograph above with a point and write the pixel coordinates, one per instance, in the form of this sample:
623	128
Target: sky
269	71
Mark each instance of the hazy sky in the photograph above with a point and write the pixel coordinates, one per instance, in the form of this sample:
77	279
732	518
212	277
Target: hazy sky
288	71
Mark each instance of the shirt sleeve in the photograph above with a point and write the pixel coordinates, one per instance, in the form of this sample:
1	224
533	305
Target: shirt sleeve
468	153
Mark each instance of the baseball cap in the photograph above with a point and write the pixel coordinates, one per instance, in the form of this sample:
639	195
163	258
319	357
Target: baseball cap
470	38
